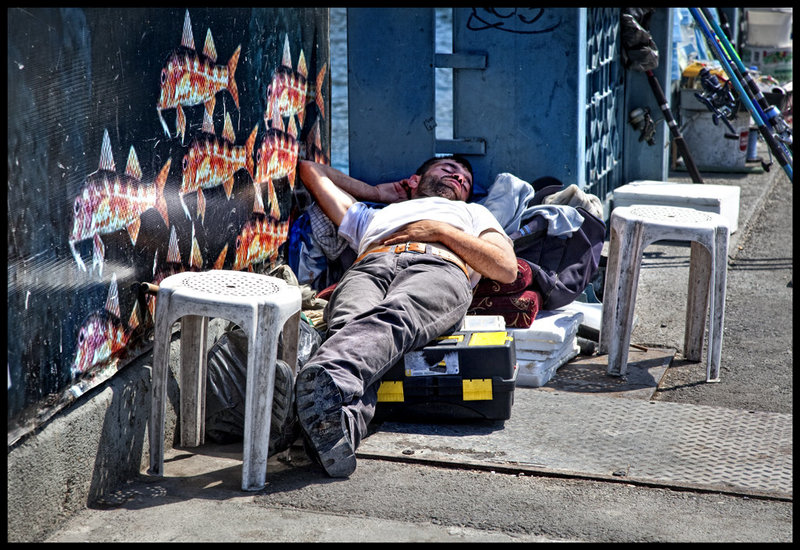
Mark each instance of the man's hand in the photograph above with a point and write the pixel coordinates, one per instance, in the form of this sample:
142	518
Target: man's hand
394	191
490	254
426	231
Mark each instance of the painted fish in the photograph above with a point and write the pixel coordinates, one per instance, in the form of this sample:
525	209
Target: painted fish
212	161
173	252
195	257
110	202
288	90
102	335
220	262
158	276
277	157
190	78
314	151
259	242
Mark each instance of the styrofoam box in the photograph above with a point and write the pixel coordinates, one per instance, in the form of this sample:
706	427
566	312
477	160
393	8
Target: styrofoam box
483	323
770	27
549	326
592	313
720	199
534	374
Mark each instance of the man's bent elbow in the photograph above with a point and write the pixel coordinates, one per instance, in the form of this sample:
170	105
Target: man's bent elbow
508	272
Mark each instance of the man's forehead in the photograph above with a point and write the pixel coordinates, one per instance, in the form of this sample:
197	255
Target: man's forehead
451	163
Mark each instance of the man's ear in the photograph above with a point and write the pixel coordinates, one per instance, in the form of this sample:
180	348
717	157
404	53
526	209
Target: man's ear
413	181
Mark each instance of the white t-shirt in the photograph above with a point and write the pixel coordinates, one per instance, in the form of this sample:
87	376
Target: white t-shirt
362	225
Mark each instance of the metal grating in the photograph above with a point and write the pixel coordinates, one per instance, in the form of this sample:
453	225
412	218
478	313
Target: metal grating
231	283
604	101
668	444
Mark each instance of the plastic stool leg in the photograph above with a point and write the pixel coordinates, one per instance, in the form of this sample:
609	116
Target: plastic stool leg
194	330
717	317
700	272
610	289
263	351
632	242
158	403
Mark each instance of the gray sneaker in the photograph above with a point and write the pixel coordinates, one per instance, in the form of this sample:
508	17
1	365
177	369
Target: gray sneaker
324	422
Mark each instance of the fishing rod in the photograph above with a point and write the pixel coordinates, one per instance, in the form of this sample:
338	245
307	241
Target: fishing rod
717	40
641	54
776	147
673	128
771	113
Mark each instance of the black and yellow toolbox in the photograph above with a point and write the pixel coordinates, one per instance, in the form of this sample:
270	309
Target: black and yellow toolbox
461	376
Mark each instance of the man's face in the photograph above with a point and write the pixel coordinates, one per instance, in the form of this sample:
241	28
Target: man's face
447	179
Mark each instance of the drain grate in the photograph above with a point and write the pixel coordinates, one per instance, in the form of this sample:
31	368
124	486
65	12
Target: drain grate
669	444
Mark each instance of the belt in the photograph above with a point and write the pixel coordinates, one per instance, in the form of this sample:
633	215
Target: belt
419	248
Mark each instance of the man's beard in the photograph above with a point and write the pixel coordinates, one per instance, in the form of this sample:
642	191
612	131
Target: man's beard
434	186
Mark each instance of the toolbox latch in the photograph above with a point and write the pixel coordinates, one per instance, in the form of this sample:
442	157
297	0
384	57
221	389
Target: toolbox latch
391	391
477	389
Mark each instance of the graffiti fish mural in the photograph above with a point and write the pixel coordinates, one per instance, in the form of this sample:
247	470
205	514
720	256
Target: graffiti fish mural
227	206
102	335
287	93
192	78
110	202
259	242
314	151
212	161
277	158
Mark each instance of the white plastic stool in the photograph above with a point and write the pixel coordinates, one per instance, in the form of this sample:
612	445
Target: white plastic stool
261	306
632	229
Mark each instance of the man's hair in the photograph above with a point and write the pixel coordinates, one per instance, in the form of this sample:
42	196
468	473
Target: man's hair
456	158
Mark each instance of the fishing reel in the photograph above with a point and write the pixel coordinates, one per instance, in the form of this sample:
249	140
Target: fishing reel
642	122
719	99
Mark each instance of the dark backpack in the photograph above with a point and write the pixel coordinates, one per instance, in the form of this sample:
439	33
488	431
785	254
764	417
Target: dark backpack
562	267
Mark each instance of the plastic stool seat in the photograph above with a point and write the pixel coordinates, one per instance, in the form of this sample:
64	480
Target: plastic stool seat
260	305
632	229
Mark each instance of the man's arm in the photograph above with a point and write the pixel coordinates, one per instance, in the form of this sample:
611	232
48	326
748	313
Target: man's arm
335	191
490	254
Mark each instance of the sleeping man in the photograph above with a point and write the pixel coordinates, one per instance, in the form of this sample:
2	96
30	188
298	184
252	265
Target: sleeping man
418	260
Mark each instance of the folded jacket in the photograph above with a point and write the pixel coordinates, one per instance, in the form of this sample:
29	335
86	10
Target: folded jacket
519	310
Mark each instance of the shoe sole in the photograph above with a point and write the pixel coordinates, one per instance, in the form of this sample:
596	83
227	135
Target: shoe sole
319	409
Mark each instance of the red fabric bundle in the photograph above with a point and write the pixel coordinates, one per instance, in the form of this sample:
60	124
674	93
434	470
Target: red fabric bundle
514	301
490	287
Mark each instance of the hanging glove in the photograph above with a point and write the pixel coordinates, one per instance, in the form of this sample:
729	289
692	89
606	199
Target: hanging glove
639	51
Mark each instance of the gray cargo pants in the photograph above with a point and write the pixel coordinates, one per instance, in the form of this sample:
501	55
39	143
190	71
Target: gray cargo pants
385	306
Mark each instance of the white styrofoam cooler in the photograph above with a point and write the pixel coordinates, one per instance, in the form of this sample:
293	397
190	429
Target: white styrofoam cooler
546	345
720	199
537	373
770	27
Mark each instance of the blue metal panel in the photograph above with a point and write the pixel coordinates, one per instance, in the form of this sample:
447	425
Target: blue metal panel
527	105
604	102
642	161
391	99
